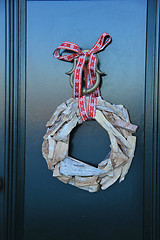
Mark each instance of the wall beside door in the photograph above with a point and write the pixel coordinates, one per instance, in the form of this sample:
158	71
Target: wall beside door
36	205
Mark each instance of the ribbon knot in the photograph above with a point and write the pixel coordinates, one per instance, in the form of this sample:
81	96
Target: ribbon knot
87	53
89	70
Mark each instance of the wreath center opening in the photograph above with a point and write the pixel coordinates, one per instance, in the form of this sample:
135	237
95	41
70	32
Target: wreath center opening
89	143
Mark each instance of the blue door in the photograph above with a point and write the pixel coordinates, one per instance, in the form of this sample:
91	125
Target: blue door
36	205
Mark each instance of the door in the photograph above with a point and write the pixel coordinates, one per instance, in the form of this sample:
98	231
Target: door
40	206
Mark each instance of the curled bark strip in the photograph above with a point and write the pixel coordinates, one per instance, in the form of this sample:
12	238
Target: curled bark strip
115	120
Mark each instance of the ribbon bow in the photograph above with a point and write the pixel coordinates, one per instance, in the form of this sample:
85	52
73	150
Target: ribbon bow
89	71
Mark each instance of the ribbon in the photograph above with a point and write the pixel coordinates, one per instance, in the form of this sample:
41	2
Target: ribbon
89	71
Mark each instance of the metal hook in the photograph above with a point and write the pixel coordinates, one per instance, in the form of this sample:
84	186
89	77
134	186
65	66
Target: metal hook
85	90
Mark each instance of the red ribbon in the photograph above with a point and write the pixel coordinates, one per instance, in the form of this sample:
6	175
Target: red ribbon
89	71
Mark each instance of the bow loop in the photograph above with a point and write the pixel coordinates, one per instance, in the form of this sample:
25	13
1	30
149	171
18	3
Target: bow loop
101	43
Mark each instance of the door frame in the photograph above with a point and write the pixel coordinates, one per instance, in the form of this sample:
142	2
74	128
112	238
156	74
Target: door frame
13	122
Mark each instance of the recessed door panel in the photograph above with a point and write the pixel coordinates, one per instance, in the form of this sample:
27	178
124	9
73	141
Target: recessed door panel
54	210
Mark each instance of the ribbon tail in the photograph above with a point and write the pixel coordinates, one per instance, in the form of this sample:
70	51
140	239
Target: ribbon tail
92	104
78	76
83	108
92	74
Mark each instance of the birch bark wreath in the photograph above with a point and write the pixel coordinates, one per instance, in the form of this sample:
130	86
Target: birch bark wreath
113	118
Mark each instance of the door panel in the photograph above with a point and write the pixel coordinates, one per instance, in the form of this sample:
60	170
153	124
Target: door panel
53	209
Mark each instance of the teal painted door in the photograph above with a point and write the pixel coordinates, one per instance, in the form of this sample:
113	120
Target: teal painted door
33	204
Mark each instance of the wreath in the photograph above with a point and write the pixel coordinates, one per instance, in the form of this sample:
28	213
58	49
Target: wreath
115	120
